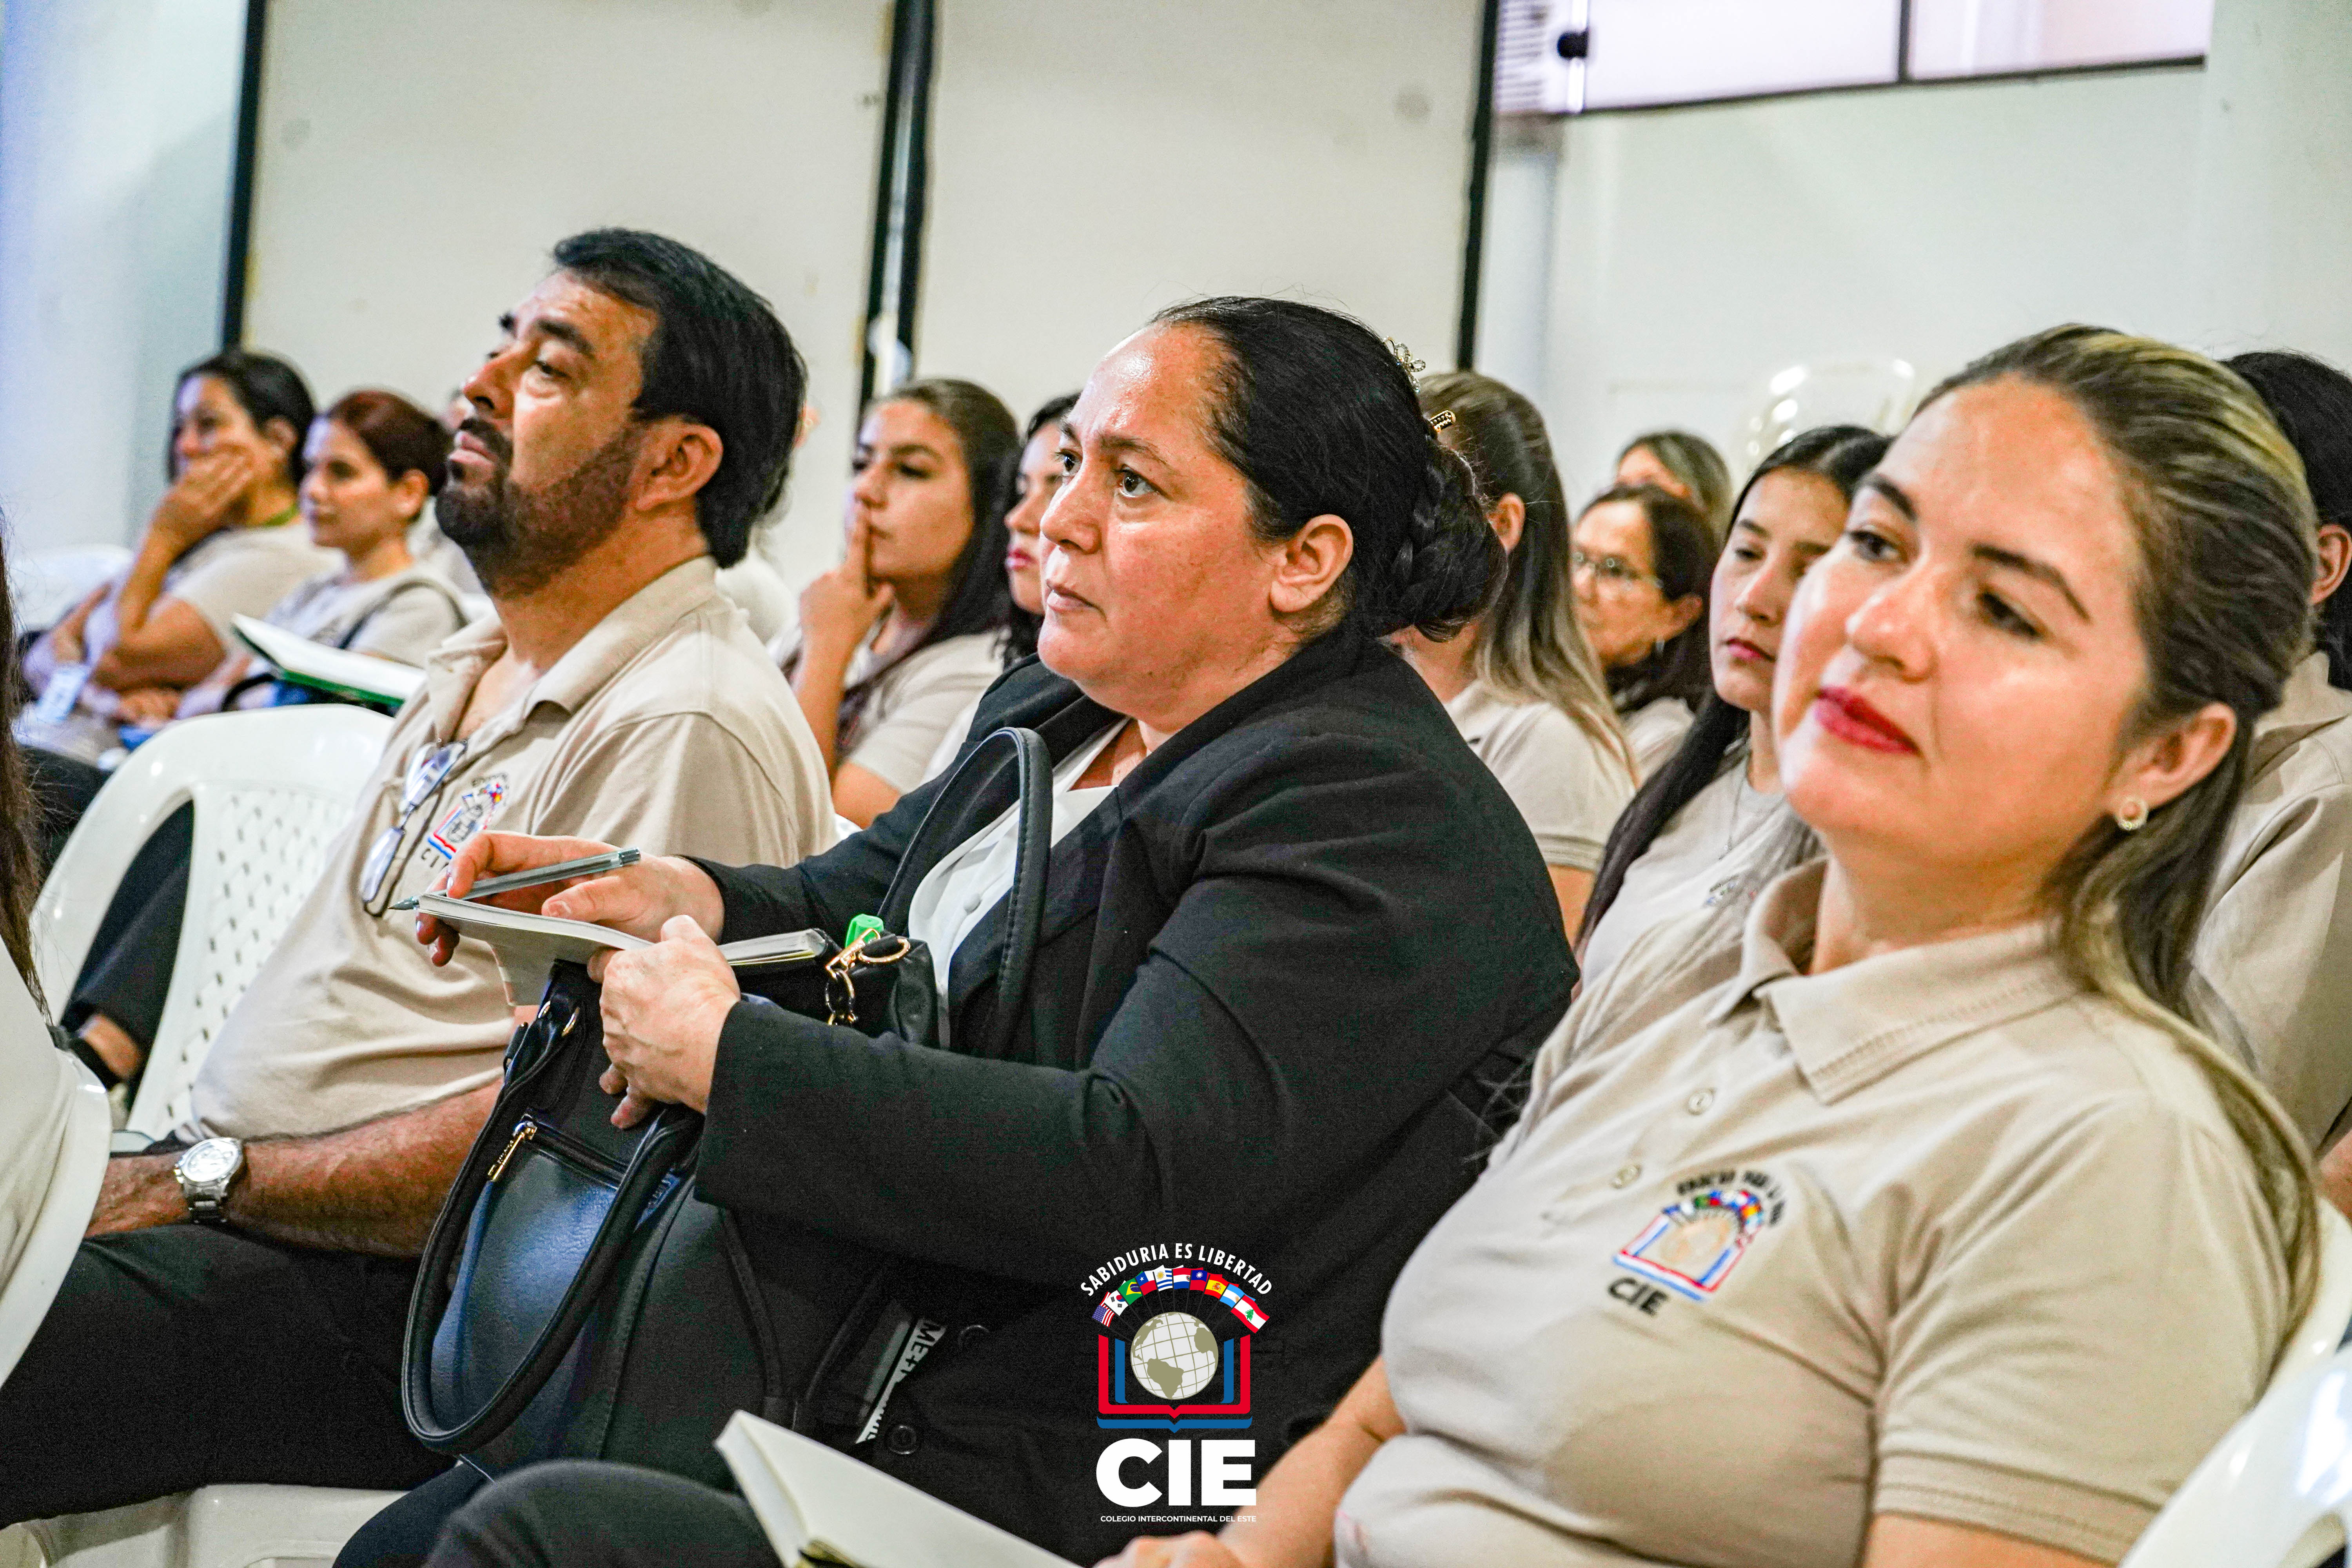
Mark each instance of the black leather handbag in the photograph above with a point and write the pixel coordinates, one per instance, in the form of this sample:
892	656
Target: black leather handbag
577	1299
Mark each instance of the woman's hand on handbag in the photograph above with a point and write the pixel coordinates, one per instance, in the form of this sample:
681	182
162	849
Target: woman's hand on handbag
664	1006
640	899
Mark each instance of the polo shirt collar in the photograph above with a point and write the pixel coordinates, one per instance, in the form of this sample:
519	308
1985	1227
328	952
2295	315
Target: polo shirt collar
2308	703
586	666
1852	1026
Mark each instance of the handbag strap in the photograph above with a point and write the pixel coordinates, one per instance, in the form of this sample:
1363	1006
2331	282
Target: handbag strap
1032	850
673	1135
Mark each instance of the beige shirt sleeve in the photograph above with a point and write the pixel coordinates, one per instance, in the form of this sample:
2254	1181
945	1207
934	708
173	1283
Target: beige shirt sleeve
2036	1383
896	737
2277	948
1567	787
408	625
681	784
244	578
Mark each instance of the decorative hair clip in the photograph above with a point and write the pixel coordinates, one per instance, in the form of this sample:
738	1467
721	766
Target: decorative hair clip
1413	367
1442	420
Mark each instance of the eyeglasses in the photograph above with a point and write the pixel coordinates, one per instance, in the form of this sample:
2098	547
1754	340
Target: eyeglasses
427	773
1609	568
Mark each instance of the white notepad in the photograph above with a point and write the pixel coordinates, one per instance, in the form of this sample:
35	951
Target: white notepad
529	945
337	671
824	1508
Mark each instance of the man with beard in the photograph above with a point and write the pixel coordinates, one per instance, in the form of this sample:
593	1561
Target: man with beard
633	425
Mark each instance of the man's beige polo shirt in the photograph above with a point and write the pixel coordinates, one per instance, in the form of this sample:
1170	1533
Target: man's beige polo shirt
1937	1233
2277	944
667	728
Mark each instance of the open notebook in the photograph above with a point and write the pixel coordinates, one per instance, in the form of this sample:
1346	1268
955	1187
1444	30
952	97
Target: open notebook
824	1509
338	671
529	945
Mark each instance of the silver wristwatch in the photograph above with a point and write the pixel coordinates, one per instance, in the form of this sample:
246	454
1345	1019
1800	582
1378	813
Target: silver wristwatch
205	1173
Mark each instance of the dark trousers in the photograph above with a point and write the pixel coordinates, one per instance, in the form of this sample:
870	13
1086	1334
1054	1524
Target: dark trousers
186	1356
576	1514
128	972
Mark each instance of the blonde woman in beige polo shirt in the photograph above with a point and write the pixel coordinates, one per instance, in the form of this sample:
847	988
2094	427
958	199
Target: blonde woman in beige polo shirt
1919	1231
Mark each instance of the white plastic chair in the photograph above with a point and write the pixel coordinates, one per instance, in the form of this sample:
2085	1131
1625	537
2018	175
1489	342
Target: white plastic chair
2326	1325
46	584
55	1115
219	1527
2276	1492
271	791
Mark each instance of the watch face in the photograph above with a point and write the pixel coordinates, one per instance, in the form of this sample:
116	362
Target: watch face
210	1161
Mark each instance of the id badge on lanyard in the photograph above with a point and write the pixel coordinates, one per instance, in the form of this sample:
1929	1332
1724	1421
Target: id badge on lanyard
57	698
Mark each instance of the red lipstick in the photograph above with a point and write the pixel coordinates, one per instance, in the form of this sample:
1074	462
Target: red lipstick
1848	717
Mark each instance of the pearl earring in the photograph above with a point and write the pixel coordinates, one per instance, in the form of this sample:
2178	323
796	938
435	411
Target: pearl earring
2132	817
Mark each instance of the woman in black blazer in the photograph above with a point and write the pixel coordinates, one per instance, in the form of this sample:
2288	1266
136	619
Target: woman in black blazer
1289	963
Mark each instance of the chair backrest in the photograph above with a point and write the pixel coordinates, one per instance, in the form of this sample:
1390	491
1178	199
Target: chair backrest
270	790
2329	1322
48	583
2276	1492
54	1123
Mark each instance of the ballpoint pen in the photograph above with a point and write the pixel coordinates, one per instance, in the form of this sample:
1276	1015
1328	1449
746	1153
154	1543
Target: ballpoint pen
587	866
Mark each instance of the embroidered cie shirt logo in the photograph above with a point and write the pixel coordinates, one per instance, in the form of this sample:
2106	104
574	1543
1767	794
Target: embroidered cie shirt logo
1694	1243
468	816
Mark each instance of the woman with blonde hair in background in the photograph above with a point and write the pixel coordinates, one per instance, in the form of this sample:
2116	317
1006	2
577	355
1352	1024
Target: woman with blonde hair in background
1696	834
907	631
1681	464
1921	1224
1520	682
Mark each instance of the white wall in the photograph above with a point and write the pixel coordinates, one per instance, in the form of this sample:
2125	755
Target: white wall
1697	251
117	128
418	159
1091	163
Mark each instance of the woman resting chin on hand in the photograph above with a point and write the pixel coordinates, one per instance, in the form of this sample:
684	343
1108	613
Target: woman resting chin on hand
1917	1228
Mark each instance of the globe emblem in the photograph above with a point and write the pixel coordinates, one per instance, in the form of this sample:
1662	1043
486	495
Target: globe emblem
1174	1356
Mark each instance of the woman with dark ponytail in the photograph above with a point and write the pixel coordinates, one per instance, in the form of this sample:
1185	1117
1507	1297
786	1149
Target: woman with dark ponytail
1521	682
1294	938
910	625
1695	834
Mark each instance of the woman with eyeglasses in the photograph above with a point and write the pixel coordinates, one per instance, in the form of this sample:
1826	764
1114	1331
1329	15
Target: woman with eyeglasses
1640	563
1699	835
